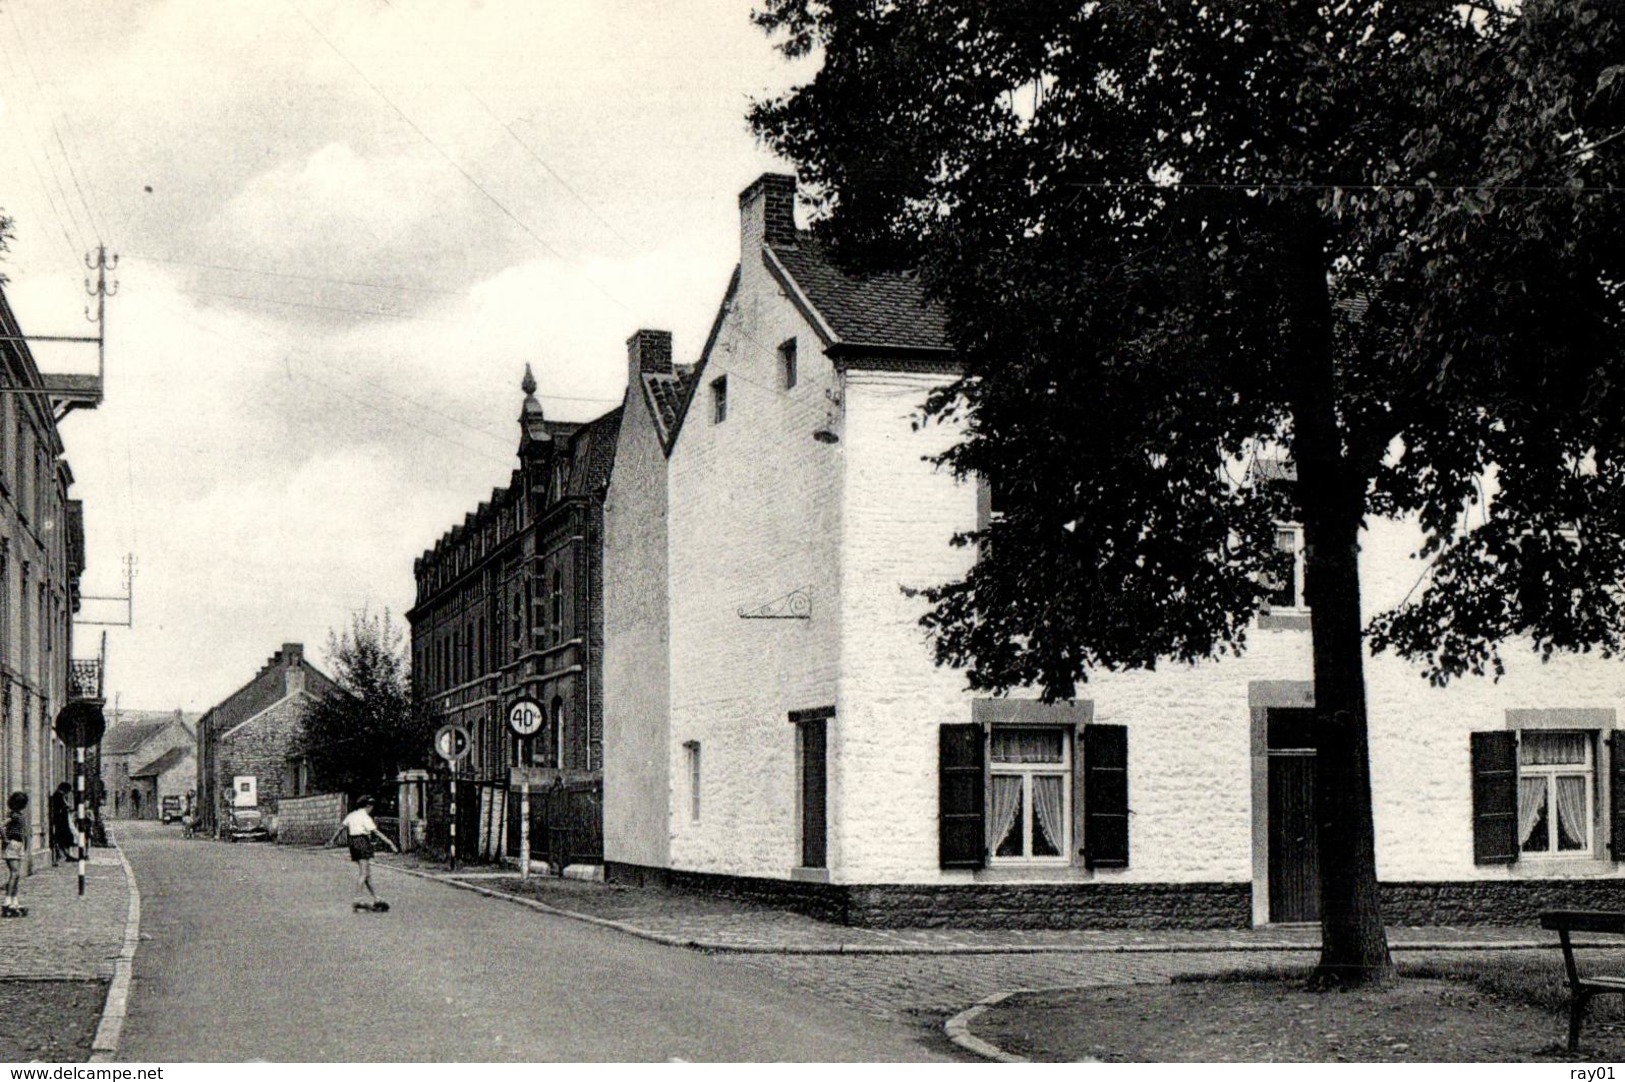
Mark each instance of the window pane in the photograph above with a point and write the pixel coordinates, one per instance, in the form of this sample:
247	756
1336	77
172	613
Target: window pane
1571	811
1049	829
1006	817
1027	745
1532	826
1540	748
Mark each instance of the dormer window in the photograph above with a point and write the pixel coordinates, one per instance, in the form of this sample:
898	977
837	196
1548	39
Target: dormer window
787	363
719	400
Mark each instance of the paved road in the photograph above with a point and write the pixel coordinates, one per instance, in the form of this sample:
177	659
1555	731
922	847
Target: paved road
252	952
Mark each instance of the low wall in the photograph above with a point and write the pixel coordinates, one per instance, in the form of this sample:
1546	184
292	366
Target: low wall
309	820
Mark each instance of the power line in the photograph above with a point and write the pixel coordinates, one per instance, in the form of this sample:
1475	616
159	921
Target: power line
236	269
254	298
45	150
534	156
90	215
1311	185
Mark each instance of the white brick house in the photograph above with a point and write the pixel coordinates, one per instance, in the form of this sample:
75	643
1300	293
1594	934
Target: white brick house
794	739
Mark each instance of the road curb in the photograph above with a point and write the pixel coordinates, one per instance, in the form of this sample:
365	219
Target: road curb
105	1044
711	946
958	1030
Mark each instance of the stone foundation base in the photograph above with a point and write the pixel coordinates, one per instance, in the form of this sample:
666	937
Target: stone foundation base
978	905
1149	906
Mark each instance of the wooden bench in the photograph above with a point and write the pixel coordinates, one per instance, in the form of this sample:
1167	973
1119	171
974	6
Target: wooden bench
1582	989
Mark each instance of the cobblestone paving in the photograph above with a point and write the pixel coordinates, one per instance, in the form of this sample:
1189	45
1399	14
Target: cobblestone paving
926	975
66	936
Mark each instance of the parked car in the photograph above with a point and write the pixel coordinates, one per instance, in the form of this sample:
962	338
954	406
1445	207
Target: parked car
169	811
245	825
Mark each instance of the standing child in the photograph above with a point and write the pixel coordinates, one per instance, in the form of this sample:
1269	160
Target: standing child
16	849
359	827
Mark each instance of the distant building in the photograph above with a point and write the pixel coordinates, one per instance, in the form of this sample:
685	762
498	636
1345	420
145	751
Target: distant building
510	604
250	749
169	779
134	740
42	555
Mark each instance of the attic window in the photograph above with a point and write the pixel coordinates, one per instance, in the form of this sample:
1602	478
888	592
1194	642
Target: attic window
787	362
719	400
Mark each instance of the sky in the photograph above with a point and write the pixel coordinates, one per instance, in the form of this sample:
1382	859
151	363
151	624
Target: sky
344	227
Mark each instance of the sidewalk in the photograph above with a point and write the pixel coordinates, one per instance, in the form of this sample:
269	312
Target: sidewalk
65	936
705	922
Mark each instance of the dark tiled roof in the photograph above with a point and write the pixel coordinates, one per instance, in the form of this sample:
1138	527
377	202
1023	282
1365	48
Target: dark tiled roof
128	736
592	454
884	311
665	391
164	762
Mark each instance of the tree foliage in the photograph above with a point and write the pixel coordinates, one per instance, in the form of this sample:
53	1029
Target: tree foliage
1385	236
366	730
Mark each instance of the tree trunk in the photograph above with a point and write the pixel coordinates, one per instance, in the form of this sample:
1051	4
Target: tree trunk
1331	501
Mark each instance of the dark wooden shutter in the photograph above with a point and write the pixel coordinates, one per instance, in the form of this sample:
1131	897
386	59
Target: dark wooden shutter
962	835
813	786
1105	796
1495	797
1616	794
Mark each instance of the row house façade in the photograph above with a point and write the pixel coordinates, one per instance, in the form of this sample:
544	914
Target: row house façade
42	556
775	726
509	605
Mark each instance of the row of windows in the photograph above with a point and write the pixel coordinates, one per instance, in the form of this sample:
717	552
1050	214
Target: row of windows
787	372
468	652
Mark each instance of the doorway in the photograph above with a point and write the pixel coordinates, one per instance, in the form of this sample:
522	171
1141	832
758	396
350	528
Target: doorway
1294	850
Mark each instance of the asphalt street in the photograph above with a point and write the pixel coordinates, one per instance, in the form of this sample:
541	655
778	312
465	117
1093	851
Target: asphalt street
252	952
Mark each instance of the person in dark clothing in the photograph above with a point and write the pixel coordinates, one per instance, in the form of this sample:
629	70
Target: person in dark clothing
62	839
16	851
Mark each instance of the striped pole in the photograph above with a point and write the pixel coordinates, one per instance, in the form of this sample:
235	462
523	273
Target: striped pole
79	808
454	816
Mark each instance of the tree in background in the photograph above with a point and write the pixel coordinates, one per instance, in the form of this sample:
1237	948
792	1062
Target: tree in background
362	734
1388	238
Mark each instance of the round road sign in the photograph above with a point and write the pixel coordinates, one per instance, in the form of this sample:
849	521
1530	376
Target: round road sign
81	724
451	742
525	717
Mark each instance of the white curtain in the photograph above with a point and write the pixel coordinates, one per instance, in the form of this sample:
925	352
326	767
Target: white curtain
1006	806
1571	812
1531	802
1047	814
1546	748
1027	745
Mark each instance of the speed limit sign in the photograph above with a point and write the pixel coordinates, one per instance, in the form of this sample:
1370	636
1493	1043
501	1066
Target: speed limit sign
525	717
451	742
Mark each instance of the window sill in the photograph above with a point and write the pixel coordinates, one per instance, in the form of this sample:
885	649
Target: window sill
1033	873
809	875
1546	867
1283	620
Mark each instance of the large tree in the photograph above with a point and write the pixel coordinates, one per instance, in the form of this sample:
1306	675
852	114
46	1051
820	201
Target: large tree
1385	237
363	732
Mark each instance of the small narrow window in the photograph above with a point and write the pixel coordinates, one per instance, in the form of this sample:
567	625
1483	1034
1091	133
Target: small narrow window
787	363
558	732
692	748
719	400
1287	590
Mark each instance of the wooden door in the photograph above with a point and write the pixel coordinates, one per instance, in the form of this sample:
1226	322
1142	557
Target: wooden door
813	787
1294	849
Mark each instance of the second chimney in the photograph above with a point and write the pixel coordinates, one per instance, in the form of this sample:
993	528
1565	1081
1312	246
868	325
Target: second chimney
647	351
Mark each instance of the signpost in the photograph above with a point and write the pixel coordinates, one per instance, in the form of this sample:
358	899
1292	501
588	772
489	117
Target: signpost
80	725
525	719
452	744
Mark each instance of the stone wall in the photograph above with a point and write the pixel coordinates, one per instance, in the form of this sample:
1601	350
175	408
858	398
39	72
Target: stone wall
260	747
309	820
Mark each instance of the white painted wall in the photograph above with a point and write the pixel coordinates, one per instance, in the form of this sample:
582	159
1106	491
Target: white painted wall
754	515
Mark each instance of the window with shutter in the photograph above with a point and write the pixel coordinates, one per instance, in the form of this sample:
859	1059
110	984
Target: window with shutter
962	841
1105	796
1495	797
1616	794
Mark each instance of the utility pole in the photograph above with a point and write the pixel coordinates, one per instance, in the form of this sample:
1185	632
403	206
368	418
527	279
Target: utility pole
101	291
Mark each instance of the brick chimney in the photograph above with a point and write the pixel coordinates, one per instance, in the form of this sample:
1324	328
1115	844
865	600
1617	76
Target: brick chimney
647	351
767	212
